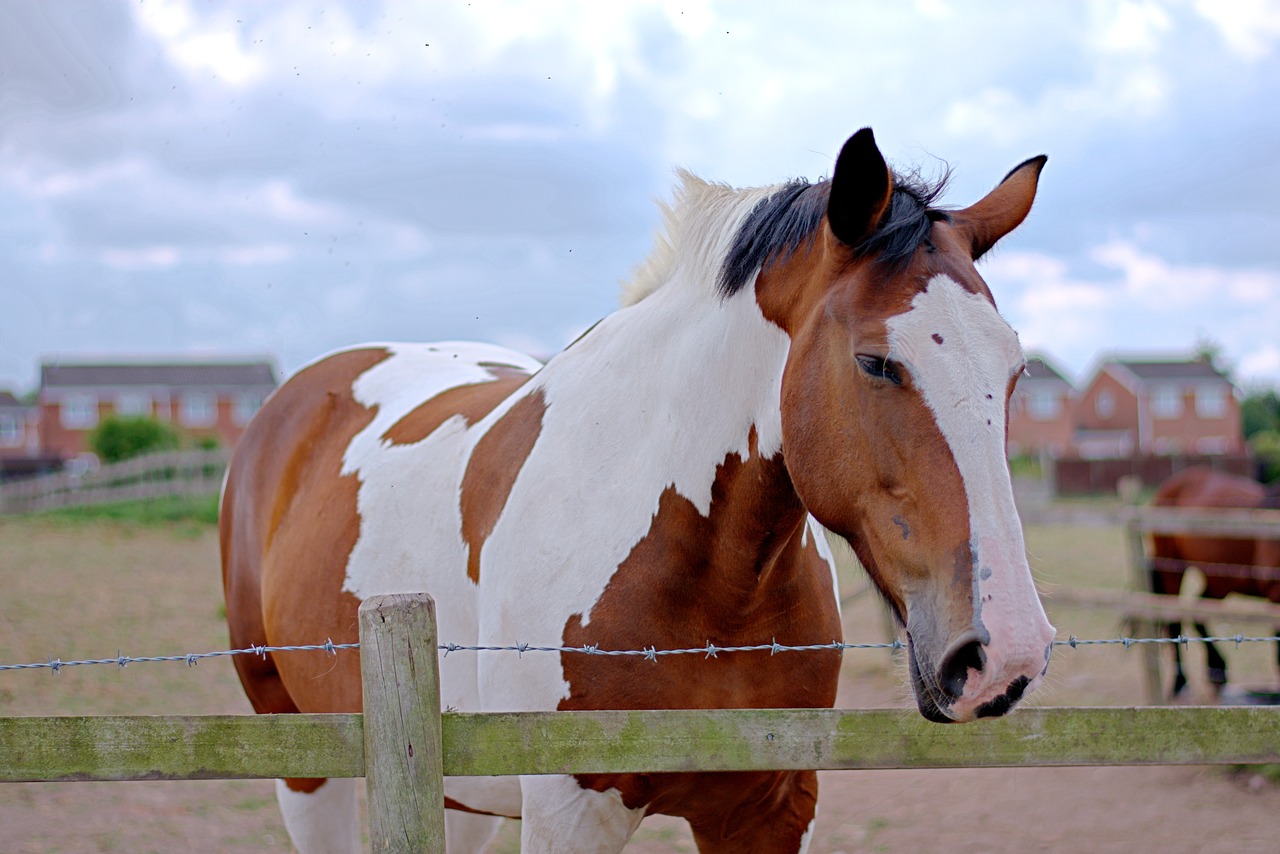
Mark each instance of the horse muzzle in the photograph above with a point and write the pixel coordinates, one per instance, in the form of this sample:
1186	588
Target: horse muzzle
970	678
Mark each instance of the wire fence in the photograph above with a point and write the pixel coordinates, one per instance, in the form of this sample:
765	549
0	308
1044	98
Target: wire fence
710	650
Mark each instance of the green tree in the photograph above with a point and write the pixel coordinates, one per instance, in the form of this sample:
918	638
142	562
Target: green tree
116	438
1265	445
1260	411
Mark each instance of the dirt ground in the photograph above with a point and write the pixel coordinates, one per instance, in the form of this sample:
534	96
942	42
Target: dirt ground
82	591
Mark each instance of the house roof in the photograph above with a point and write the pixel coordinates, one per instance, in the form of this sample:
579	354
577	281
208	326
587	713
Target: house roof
8	401
1195	369
180	374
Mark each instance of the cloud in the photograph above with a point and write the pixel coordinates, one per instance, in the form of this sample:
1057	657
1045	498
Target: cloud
1250	28
292	177
1138	302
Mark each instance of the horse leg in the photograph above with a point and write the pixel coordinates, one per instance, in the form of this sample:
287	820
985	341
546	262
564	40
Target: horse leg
323	819
1277	634
1217	664
468	833
1172	629
558	816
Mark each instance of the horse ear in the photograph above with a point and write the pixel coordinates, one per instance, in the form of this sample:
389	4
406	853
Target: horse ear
1001	210
860	189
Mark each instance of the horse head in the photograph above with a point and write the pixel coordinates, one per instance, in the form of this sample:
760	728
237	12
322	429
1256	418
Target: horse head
894	416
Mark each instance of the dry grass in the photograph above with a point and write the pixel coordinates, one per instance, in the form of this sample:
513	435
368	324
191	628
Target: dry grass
90	590
75	589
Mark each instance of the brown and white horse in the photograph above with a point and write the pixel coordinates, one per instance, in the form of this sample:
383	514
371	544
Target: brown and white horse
792	356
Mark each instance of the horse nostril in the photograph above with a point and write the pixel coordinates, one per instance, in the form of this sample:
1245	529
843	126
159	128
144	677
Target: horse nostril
964	655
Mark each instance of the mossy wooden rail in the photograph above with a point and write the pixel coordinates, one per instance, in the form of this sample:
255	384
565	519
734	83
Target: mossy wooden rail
403	745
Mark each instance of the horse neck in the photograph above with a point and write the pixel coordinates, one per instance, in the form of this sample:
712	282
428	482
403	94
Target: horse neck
682	391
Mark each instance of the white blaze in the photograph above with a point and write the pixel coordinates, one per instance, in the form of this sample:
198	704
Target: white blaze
961	355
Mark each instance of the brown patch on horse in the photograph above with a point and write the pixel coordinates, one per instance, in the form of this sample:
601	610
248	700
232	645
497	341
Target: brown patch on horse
285	486
451	804
492	470
746	573
287	470
473	402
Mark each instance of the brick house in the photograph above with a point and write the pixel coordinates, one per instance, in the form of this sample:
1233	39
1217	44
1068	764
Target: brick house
200	399
18	434
1040	412
1144	408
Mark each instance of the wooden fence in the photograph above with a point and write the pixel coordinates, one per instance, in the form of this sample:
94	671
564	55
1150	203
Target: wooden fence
151	476
1146	611
403	745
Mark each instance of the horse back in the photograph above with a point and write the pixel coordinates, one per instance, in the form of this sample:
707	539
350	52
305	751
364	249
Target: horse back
1203	487
290	521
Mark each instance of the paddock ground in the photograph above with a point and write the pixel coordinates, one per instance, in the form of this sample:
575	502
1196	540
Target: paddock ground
89	589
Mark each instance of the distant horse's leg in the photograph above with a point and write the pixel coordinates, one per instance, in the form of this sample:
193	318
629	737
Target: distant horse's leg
1167	584
468	833
1217	664
323	821
558	816
1277	634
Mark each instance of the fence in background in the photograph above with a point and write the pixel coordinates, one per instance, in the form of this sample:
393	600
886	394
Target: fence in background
172	473
404	745
1075	476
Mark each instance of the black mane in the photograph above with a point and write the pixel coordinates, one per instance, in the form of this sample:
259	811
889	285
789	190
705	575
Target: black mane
779	224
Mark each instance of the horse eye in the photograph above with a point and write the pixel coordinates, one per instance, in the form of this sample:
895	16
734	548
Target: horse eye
881	369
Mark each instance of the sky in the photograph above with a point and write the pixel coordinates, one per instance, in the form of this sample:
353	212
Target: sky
194	180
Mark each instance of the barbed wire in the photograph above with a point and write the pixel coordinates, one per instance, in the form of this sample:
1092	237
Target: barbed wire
647	653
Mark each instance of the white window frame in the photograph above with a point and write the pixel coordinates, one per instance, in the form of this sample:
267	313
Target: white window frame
1166	402
1044	406
1105	403
10	430
198	409
79	412
1211	402
133	404
245	407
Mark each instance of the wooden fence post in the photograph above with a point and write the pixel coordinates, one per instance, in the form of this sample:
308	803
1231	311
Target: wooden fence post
399	667
1140	577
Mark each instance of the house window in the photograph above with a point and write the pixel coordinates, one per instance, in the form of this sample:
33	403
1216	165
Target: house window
1105	404
246	406
1211	402
132	404
1044	406
10	435
79	412
1166	402
199	409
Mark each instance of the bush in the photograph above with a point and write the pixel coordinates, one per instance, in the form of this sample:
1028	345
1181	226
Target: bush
117	438
1266	448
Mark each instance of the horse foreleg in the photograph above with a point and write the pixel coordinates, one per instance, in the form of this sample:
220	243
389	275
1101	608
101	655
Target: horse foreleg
324	820
558	816
1217	664
1174	630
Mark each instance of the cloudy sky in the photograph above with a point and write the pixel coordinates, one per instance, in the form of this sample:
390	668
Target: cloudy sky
191	179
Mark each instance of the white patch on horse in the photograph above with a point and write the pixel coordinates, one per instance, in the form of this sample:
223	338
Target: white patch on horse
326	821
614	437
654	397
961	354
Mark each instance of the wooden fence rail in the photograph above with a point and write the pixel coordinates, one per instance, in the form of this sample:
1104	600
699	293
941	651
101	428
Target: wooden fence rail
171	473
403	745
